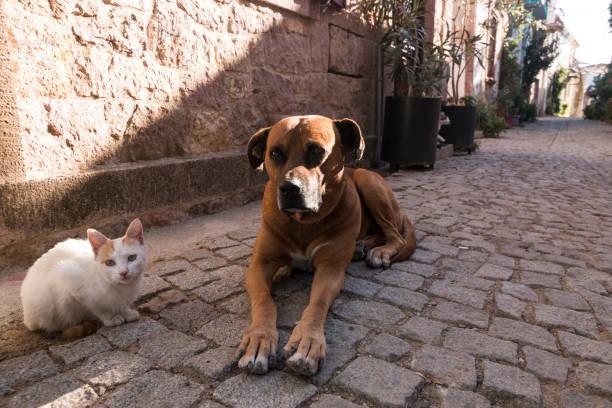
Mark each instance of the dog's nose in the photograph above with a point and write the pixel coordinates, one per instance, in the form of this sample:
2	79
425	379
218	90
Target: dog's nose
289	187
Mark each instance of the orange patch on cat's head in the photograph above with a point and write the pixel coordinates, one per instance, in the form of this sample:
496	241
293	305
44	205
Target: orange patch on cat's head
106	250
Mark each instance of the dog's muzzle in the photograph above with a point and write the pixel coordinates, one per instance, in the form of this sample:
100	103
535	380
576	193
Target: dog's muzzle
294	197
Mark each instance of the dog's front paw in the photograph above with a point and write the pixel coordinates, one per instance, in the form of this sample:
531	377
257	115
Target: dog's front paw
305	350
257	350
131	315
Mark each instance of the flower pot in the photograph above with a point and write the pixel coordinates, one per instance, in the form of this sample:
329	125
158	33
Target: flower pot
410	130
460	131
513	120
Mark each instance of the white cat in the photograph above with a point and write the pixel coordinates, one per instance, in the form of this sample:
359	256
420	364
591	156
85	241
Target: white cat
77	280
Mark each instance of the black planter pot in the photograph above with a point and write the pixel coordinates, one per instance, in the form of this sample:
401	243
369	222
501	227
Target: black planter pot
410	130
460	131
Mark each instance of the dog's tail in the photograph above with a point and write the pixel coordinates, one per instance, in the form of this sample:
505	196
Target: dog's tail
407	231
80	330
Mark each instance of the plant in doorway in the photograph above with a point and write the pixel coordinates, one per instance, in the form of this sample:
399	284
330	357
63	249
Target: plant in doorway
418	72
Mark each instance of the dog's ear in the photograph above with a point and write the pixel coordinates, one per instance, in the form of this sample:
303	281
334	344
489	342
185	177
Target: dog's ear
352	140
256	149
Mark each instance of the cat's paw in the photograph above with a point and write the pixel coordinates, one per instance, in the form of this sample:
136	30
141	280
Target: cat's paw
114	321
131	315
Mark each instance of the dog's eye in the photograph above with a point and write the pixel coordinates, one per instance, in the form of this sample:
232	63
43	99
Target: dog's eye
277	156
314	155
132	258
109	262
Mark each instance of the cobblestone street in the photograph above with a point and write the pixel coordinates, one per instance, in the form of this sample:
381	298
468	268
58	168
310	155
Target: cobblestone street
506	302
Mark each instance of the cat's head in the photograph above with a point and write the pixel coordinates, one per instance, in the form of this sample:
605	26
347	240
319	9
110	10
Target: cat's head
123	259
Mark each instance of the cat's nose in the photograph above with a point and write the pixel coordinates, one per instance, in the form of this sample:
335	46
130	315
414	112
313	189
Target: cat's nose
123	274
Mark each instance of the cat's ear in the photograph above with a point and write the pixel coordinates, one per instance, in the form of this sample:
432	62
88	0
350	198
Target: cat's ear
96	239
135	231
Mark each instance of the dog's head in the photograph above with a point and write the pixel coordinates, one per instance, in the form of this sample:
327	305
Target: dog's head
304	157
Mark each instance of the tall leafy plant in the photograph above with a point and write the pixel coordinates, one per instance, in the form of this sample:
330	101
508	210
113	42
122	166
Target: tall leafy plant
539	55
413	63
558	82
460	46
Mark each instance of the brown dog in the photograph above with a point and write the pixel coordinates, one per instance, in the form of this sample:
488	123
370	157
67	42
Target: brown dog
314	211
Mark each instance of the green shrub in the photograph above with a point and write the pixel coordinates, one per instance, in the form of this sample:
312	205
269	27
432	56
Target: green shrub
486	119
493	126
600	92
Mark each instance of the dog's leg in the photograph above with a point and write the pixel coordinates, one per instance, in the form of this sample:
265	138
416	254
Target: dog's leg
400	240
257	350
305	350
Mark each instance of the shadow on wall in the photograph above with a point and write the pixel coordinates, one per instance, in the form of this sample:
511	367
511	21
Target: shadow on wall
179	143
278	73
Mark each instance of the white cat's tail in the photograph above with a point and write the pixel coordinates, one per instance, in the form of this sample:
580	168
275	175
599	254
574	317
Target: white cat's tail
80	330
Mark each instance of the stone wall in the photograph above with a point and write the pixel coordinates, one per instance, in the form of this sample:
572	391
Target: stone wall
111	109
101	82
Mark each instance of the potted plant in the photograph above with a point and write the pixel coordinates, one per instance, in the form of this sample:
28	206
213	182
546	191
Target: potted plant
460	46
414	65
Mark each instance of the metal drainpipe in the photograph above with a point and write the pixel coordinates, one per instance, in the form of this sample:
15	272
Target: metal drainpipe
380	99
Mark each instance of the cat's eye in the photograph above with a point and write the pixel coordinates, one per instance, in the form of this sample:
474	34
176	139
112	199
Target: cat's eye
109	262
132	258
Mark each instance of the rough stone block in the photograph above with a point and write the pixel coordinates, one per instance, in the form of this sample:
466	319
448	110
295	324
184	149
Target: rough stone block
586	348
540	280
494	272
330	400
421	269
583	323
453	398
542	267
214	363
403	298
572	399
401	279
519	291
127	334
448	367
226	330
382	382
568	300
29	368
170	349
480	345
77	350
387	347
369	312
508	306
342	333
511	383
546	365
336	357
445	289
462	314
156	388
189	316
360	287
422	329
522	333
273	390
111	368
62	390
595	377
